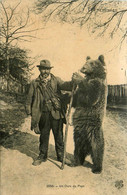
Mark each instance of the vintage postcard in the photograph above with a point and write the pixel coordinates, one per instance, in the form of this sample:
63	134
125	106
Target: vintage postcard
63	97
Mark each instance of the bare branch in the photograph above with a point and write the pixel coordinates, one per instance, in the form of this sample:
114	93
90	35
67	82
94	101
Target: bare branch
51	13
112	17
118	24
25	31
123	37
4	10
22	26
12	11
97	14
88	15
20	38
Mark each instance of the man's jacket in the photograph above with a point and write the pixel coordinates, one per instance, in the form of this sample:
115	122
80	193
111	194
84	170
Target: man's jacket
42	98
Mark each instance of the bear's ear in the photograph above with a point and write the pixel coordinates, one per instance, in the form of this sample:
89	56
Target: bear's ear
101	58
88	58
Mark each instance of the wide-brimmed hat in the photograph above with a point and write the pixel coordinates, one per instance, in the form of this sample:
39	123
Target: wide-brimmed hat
45	64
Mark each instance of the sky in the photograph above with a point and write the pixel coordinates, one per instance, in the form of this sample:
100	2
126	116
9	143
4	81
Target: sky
67	46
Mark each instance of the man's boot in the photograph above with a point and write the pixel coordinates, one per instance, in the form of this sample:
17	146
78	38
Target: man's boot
39	160
67	161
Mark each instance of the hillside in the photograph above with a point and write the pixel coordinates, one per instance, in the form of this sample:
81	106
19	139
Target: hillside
19	146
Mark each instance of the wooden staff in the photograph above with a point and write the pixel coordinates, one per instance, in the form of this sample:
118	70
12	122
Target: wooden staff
67	125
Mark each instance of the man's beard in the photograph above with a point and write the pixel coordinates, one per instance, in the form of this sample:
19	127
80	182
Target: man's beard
45	75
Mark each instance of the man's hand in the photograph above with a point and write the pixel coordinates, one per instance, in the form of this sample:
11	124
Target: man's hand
37	130
28	110
77	78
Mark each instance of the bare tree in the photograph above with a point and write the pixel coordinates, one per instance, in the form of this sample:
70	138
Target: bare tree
100	16
15	26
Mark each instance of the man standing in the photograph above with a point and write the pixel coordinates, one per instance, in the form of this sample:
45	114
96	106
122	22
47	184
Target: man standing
45	106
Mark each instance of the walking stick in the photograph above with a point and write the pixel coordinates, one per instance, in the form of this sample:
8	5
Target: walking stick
67	125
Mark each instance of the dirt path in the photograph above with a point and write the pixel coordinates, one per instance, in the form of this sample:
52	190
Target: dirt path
19	146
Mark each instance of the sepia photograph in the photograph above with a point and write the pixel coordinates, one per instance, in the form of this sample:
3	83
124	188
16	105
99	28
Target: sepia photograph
63	97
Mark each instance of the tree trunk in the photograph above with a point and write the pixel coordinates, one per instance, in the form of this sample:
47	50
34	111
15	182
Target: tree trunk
8	75
7	65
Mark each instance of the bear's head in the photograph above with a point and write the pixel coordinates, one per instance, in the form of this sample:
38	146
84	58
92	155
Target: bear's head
94	68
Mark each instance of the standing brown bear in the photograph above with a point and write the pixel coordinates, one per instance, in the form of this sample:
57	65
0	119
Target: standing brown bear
89	103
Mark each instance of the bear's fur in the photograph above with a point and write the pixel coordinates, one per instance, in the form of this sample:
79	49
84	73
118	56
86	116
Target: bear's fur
89	104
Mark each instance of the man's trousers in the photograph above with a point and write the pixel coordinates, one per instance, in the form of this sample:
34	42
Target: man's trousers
46	123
